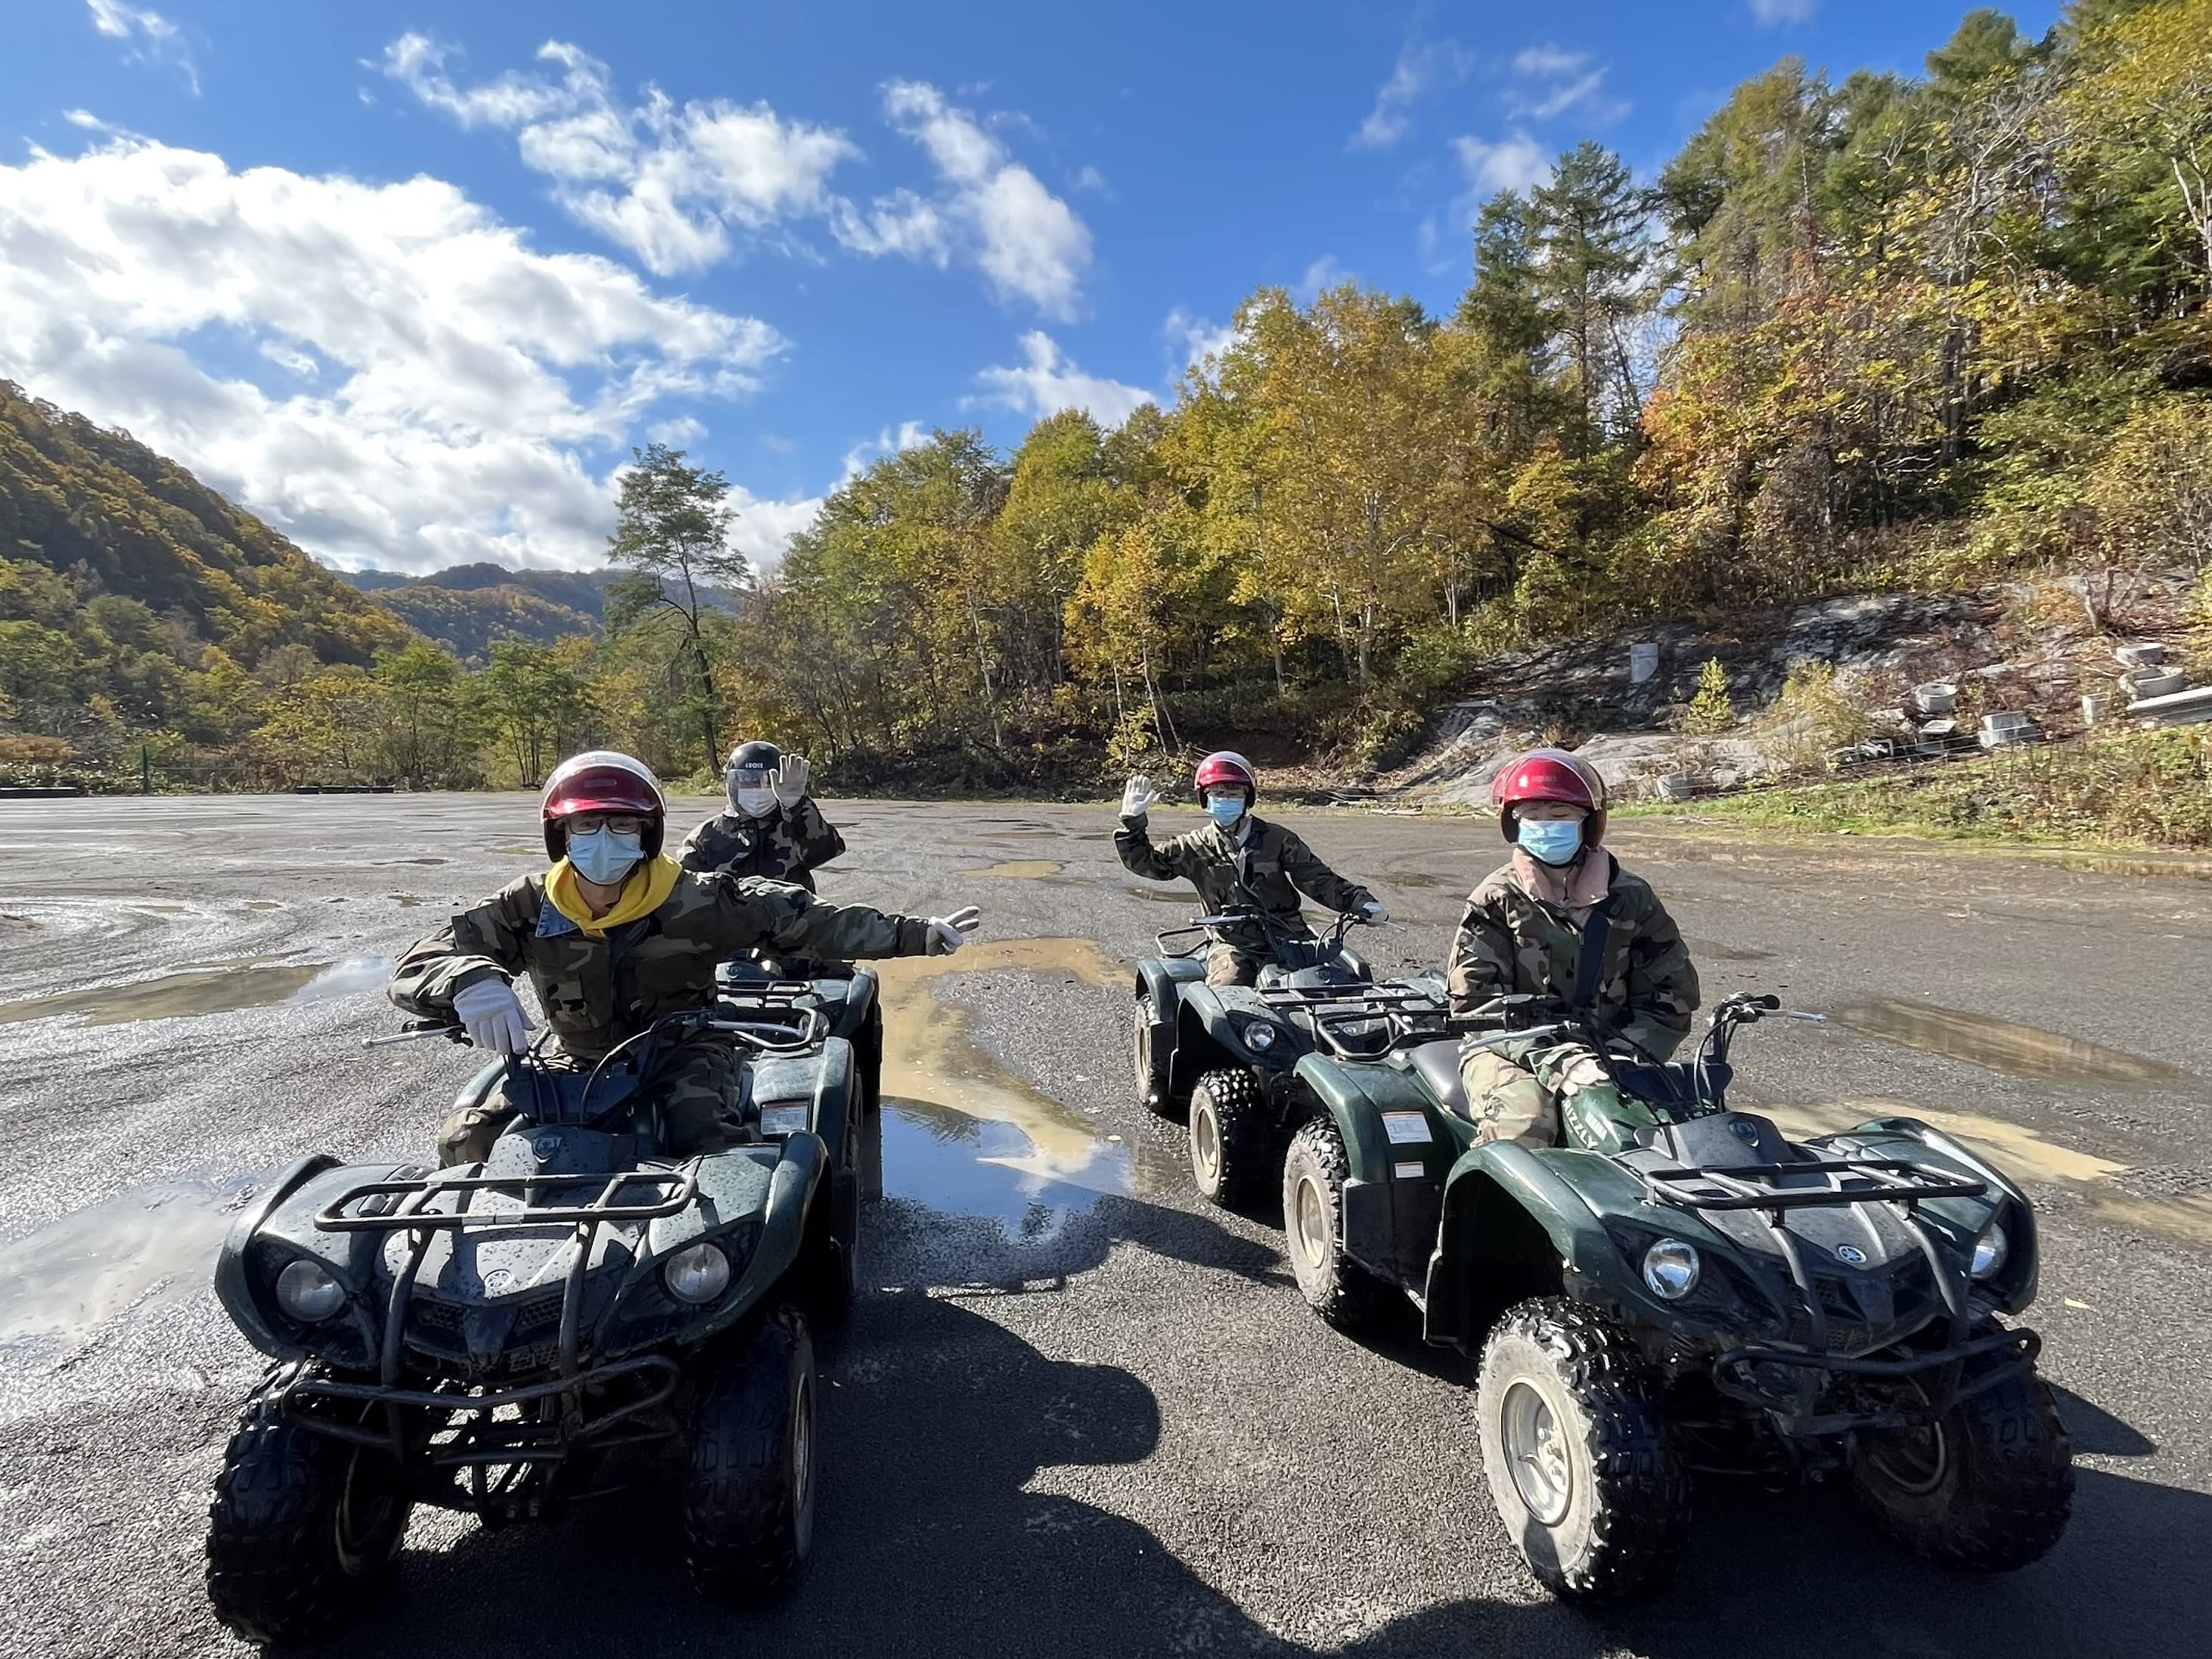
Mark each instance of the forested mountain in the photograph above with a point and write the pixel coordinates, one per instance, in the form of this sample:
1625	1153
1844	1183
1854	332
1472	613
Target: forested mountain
133	598
468	608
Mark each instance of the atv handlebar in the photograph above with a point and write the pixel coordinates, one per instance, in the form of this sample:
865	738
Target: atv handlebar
769	1037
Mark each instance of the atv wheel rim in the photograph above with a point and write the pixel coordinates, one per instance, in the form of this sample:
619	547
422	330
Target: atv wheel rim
1310	1222
1141	1055
802	1463
1536	1454
1912	1461
1204	1143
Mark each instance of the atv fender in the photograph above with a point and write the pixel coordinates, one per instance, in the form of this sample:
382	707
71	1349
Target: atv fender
232	1287
1206	1036
1511	1225
1392	1193
2014	1286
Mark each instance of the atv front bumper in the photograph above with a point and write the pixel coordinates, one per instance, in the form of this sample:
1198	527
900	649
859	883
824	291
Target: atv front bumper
1790	1385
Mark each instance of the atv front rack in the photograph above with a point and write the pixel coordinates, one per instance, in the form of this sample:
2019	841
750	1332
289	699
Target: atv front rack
1887	1180
411	1214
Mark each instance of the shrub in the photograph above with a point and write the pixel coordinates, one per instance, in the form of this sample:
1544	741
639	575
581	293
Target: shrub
1711	713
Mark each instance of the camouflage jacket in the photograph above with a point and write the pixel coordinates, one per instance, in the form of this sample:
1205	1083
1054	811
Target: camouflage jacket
786	847
1266	871
1510	942
596	992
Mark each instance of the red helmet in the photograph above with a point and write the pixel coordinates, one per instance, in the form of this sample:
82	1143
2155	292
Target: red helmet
1227	766
1550	774
601	780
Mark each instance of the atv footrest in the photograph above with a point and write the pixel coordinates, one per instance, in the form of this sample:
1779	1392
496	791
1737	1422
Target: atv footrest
362	1209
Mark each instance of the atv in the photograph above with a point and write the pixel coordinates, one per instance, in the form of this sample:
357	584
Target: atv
1691	1293
1226	1056
502	1338
848	995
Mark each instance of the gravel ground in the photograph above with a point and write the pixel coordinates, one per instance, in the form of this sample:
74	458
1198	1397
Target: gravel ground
1077	1412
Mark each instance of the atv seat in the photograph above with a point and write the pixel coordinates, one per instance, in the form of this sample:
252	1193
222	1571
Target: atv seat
1437	1064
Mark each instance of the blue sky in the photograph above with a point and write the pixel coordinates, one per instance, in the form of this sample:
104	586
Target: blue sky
409	280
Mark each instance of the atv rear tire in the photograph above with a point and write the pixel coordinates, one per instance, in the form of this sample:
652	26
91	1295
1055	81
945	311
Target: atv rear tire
1987	1488
749	1506
1577	1456
304	1526
1230	1137
1334	1286
1153	1085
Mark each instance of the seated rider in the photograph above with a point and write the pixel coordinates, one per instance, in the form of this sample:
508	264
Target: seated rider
1563	920
615	936
1239	859
772	828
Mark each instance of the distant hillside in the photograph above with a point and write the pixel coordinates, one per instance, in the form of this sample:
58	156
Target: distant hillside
468	607
133	596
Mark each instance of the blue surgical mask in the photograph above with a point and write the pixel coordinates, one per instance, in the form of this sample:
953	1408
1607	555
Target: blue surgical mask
604	857
1224	810
1552	840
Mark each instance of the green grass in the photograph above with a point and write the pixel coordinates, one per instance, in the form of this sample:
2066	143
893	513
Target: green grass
2145	789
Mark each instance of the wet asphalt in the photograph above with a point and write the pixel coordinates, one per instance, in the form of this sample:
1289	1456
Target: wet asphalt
1077	1412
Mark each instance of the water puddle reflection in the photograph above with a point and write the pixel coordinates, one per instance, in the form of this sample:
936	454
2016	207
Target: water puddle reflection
216	988
148	1247
2017	1050
965	1136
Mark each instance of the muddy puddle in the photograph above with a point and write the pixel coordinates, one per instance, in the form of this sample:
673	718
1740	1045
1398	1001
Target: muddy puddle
1020	869
216	988
964	1135
146	1248
2019	1051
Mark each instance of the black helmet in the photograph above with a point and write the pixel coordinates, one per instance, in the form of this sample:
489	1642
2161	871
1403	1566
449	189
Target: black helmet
751	766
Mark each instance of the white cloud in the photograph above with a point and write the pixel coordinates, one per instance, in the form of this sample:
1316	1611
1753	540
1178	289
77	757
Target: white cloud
1422	67
764	529
458	385
1513	162
909	434
1773	14
1028	242
1553	80
1090	179
1324	272
85	118
149	37
678	432
1194	340
677	185
671	183
1045	382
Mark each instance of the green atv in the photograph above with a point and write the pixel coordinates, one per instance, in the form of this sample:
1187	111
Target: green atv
1683	1290
1225	1057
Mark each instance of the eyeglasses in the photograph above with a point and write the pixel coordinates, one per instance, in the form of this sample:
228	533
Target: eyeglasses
622	823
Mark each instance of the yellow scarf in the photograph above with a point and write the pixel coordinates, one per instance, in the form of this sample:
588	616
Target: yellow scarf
645	889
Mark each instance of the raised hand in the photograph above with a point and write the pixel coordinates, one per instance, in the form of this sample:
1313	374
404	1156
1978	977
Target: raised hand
1137	799
790	778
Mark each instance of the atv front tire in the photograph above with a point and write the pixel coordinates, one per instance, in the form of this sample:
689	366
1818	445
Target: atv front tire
1577	1456
1987	1488
1334	1286
1153	1085
304	1526
749	1506
1230	1136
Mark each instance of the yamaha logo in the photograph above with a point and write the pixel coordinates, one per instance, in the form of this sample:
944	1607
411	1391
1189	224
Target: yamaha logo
499	1281
1850	1253
1745	1131
547	1147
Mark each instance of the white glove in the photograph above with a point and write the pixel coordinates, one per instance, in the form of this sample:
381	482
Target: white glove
1373	910
948	934
493	1017
790	780
1137	799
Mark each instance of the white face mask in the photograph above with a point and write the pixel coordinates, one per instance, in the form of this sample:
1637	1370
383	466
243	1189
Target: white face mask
754	803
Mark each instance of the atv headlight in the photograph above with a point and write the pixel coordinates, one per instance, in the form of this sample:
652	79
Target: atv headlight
697	1273
1671	1268
1259	1037
305	1291
1991	1247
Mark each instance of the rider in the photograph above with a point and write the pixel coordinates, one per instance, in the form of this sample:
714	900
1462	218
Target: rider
1239	859
772	828
1528	929
615	936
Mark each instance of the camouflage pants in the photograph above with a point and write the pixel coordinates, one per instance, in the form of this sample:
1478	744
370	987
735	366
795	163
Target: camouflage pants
696	1087
1523	1098
1230	964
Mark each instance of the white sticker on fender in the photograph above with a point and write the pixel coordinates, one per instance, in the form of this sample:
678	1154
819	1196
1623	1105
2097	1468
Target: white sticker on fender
1409	1171
1405	1128
783	1120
